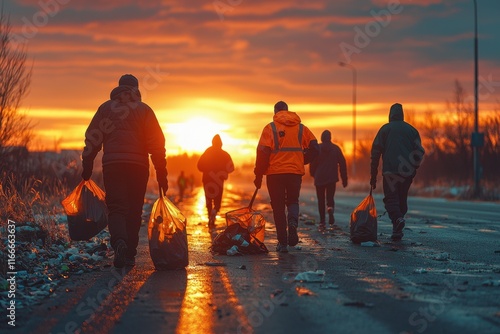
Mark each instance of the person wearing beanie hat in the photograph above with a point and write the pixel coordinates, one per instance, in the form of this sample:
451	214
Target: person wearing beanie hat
399	145
216	165
285	146
128	80
129	133
325	170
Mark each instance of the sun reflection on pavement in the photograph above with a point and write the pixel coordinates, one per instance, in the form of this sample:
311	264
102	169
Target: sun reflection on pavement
196	315
209	291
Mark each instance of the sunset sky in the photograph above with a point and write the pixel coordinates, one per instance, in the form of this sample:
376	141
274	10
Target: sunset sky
210	67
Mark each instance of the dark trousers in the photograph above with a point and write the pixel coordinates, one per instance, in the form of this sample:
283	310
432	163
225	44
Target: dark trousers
213	195
125	186
396	195
284	190
325	194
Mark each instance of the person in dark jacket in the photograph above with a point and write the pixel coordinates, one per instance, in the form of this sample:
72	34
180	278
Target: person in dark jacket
399	145
127	130
216	165
285	146
325	170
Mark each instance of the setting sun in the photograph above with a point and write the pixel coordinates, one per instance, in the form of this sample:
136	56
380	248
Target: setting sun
194	135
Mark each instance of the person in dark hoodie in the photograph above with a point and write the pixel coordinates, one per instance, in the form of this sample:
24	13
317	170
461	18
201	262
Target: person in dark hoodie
216	165
325	170
285	146
399	145
127	130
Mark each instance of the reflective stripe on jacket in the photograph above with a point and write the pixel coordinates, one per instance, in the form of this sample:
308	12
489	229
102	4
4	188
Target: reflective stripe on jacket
287	139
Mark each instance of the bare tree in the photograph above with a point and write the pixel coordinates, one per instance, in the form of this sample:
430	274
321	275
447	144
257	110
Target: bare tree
15	79
458	131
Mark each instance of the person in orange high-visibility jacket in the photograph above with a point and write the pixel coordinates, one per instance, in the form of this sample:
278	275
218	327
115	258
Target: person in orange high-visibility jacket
285	146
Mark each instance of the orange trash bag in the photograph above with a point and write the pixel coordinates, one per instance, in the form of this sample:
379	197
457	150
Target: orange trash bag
244	233
86	210
249	219
363	225
167	236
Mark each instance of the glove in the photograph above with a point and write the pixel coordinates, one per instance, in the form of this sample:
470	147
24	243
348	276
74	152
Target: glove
87	172
373	182
258	181
163	186
162	182
344	183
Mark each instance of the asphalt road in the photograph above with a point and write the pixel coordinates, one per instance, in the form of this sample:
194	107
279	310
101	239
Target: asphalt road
444	277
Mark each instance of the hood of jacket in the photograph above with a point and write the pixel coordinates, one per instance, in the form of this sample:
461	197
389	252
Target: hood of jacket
396	113
216	141
326	136
118	94
288	118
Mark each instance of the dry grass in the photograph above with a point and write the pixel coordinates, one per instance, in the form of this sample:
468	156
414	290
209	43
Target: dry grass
22	202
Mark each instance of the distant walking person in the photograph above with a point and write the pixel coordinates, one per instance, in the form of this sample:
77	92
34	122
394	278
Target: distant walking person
325	170
216	165
401	149
127	130
182	185
285	146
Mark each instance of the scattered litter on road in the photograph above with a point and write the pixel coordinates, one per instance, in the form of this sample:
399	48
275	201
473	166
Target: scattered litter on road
276	293
359	304
328	285
233	251
491	282
215	264
370	244
309	222
242	267
420	271
298	247
441	257
393	249
288	277
444	271
416	244
303	291
310	276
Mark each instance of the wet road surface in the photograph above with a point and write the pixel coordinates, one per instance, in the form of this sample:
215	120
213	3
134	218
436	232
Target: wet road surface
442	278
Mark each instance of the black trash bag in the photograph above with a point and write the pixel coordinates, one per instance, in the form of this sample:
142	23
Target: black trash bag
167	236
86	210
363	225
236	235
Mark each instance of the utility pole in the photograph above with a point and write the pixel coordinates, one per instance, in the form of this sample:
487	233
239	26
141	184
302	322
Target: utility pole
477	139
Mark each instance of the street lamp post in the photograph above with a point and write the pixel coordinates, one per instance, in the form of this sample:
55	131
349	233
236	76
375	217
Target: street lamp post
477	139
354	84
